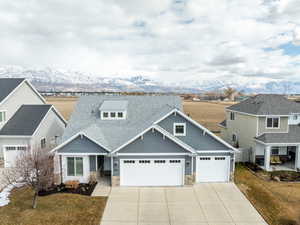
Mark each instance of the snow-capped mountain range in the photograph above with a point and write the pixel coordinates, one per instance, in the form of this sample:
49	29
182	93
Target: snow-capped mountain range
61	80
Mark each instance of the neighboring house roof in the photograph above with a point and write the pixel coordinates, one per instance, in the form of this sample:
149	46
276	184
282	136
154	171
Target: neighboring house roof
7	85
25	121
293	136
223	123
142	112
266	104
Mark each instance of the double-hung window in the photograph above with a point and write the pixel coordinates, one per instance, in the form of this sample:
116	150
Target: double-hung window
273	122
232	116
2	116
179	129
75	166
43	143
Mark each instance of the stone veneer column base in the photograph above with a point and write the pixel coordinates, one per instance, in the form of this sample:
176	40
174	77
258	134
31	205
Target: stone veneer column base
115	181
93	176
189	179
56	179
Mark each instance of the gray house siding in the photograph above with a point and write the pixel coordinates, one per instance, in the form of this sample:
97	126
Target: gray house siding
195	136
92	159
81	144
188	162
153	142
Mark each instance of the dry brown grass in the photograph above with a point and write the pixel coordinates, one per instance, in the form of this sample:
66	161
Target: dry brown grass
208	114
279	203
56	209
65	105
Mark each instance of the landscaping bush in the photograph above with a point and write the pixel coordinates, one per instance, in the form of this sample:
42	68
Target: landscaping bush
82	189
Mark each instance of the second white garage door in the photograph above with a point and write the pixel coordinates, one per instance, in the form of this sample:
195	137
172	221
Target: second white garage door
212	169
151	172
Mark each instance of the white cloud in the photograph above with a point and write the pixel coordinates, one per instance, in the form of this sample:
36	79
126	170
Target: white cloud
167	39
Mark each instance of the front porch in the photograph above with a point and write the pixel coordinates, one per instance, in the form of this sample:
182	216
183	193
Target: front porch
278	157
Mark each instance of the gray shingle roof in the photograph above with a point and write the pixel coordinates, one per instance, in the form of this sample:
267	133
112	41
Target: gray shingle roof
25	121
293	136
114	105
142	112
7	85
223	123
267	104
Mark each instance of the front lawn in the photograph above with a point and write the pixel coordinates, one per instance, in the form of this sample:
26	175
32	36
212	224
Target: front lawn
278	202
56	209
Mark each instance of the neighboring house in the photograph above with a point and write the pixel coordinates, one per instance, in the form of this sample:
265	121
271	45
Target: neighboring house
25	120
140	141
266	129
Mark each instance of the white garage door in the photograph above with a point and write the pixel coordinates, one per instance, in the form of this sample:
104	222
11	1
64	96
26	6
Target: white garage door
151	172
11	154
212	169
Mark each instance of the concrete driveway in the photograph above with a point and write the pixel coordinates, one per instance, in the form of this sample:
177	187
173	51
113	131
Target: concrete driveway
205	204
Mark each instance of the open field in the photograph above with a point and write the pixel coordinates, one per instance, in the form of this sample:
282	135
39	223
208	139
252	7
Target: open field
278	202
56	209
209	114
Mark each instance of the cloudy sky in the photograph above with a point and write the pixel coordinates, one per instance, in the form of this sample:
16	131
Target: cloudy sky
166	39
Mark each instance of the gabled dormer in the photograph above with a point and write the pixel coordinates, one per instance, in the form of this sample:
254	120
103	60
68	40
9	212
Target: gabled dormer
113	110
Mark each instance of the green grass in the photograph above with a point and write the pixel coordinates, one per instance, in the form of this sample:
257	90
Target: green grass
56	209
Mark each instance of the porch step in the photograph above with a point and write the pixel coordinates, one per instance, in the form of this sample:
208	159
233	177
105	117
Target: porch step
101	191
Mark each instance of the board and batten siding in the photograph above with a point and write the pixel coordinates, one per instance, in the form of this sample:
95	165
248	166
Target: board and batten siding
283	126
81	144
195	137
22	95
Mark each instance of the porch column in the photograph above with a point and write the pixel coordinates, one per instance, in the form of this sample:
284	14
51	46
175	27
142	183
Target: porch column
267	157
297	159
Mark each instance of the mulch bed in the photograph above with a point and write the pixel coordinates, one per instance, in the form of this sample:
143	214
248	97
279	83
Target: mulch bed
82	189
284	176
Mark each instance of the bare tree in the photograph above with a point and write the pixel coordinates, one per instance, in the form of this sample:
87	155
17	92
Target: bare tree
228	92
33	168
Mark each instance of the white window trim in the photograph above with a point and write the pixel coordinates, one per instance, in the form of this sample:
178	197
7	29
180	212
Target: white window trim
5	112
272	117
75	172
113	118
179	124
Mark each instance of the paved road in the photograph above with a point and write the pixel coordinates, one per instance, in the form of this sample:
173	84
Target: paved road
205	204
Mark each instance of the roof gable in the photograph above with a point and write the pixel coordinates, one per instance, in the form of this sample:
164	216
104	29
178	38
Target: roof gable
196	137
82	144
8	85
267	104
25	121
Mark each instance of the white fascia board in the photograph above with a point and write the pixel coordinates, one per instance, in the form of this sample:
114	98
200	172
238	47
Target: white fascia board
214	151
36	91
14	136
281	144
206	130
74	137
86	154
250	114
59	115
38	127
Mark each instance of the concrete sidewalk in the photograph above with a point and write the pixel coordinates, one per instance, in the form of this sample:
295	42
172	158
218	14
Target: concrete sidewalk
205	204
